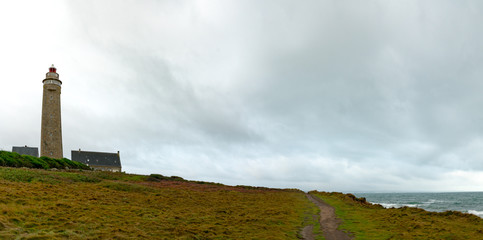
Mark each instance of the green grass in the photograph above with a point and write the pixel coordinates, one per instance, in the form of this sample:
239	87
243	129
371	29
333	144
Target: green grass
68	204
84	204
369	221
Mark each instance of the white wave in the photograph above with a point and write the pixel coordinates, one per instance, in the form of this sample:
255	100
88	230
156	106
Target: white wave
431	201
390	205
477	213
396	205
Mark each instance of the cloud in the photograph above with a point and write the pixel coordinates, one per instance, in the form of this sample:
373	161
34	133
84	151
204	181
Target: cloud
363	96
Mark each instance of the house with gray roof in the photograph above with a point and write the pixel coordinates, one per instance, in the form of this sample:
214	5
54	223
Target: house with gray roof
103	161
31	151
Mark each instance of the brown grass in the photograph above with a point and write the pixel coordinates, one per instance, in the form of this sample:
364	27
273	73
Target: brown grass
93	205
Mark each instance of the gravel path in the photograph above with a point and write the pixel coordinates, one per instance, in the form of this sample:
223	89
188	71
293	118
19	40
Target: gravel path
328	221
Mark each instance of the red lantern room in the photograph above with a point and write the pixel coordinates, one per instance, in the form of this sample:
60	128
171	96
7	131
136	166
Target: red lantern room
52	69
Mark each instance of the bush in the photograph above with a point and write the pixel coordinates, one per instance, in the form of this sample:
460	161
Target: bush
11	159
159	177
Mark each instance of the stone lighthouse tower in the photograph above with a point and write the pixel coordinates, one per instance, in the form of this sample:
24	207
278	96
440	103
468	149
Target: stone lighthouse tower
51	133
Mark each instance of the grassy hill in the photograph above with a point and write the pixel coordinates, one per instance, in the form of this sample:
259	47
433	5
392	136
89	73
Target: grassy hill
68	204
61	200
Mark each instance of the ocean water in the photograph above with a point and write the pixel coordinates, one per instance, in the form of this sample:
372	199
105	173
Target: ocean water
467	202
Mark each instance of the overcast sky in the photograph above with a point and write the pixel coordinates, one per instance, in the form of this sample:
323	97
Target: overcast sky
327	95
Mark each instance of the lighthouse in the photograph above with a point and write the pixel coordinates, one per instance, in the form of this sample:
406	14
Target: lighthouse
51	132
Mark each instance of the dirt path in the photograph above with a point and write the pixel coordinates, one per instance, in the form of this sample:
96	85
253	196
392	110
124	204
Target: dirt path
307	233
328	221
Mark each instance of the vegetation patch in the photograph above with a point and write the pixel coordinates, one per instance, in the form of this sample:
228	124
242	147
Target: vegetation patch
371	221
23	175
77	177
126	187
118	176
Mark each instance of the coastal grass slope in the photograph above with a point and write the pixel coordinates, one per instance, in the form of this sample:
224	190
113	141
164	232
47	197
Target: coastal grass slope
371	221
77	204
55	200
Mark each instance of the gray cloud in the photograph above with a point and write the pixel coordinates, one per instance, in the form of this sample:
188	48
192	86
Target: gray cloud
332	95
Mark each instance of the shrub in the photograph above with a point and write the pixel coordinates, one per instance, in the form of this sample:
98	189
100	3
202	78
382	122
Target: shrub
159	177
11	159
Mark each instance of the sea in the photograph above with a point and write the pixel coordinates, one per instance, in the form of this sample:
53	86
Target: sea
466	202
